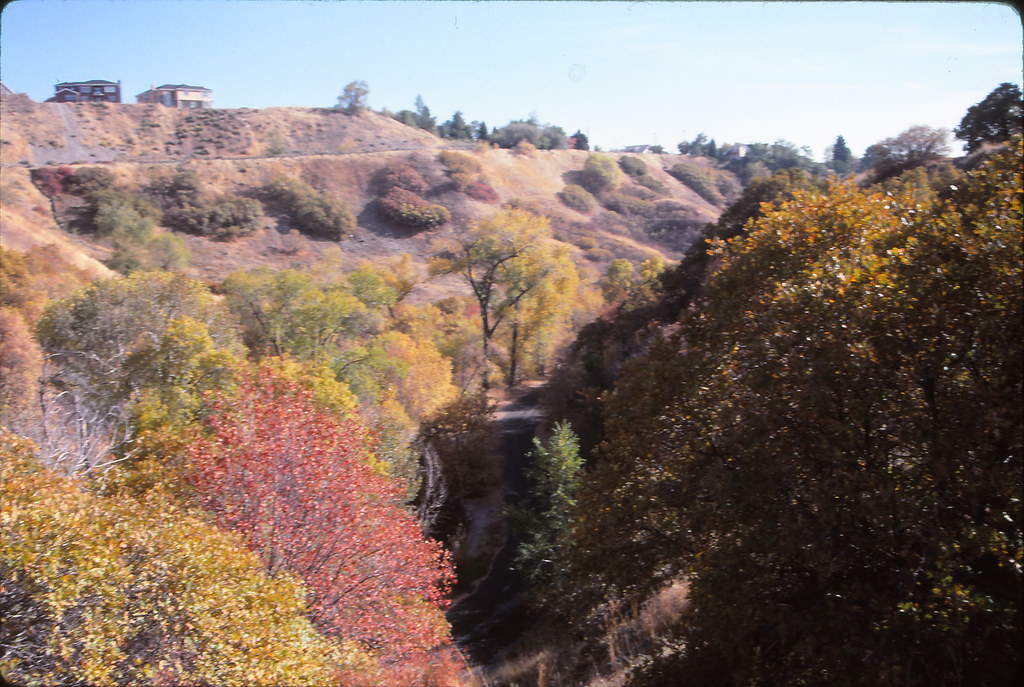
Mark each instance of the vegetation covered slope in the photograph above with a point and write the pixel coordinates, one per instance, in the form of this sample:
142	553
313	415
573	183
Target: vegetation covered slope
824	453
239	152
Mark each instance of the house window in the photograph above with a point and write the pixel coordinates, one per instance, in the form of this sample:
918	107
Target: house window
85	89
109	89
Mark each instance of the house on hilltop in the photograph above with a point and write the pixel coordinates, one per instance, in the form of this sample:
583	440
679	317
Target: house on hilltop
178	95
94	91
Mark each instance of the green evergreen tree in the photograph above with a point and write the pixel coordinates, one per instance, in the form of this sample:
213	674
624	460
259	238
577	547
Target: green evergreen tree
545	516
842	159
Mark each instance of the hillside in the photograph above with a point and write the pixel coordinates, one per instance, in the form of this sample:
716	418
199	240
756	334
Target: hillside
238	151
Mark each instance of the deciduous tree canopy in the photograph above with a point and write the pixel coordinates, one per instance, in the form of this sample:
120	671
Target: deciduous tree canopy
830	451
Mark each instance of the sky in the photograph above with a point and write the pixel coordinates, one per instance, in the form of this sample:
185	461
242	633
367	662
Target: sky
624	73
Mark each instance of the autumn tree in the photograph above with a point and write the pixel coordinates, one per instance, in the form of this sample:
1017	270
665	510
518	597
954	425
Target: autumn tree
502	258
111	590
151	335
618	279
21	364
541	320
289	312
297	485
831	447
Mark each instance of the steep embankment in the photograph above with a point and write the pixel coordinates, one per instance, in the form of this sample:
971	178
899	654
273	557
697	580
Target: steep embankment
238	151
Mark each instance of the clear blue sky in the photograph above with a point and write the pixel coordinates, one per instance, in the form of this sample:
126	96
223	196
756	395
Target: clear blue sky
623	72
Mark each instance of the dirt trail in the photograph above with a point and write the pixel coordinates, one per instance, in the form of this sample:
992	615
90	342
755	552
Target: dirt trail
494	615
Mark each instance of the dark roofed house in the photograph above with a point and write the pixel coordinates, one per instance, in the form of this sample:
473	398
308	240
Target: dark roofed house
96	90
177	95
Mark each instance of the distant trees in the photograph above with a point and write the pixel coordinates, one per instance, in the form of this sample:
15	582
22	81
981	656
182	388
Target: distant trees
841	159
699	146
578	198
699	178
456	128
399	187
914	147
424	119
543	136
354	97
995	119
580	141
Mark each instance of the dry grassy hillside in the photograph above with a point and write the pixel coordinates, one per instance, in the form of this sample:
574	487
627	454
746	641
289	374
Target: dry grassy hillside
238	151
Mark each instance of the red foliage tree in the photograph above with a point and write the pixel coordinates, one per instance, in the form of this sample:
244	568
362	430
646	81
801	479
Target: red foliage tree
298	483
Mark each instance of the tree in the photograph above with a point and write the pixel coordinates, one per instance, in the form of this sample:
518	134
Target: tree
538	321
995	119
580	141
423	118
287	312
21	364
618	280
842	161
918	145
825	447
456	128
120	340
111	590
502	258
545	517
296	483
353	98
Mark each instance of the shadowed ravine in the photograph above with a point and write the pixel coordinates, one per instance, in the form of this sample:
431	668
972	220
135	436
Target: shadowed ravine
494	615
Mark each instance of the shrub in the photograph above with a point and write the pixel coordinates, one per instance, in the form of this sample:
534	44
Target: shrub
525	148
462	168
182	188
600	173
399	175
117	211
314	213
633	166
625	204
227	217
647	181
577	198
482	192
89	180
699	180
406	208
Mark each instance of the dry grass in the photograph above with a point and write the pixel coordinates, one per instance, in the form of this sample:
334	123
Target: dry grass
143	140
630	632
